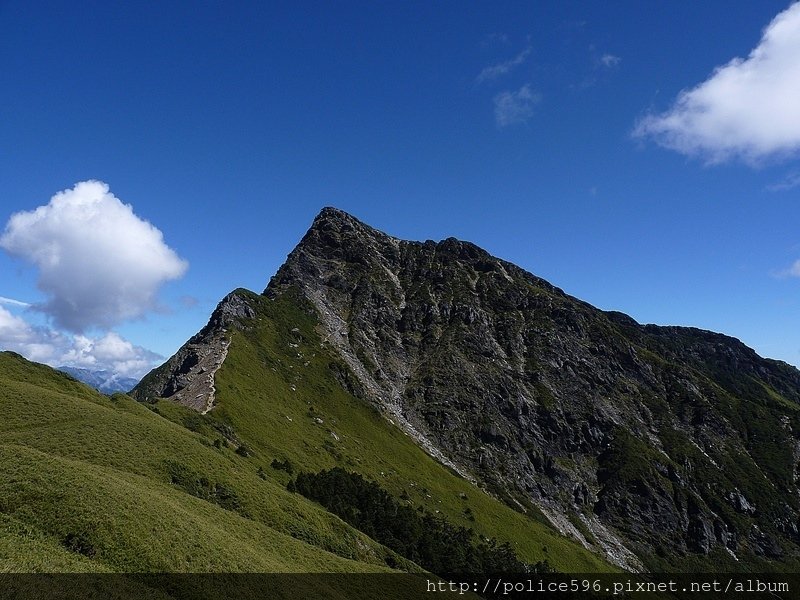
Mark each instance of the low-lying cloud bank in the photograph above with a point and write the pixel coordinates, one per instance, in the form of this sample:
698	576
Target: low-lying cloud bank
109	352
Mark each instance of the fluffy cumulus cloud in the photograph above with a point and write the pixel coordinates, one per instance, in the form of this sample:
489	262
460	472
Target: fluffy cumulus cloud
515	107
748	109
99	263
109	352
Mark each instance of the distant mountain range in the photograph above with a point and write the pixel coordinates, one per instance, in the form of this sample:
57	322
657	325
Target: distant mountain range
102	380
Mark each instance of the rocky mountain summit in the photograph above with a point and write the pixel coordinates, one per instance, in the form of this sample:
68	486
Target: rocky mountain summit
188	376
658	447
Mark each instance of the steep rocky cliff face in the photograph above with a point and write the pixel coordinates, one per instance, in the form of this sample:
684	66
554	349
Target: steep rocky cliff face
659	447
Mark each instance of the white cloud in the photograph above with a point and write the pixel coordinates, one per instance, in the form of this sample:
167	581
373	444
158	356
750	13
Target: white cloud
515	107
747	109
110	352
610	60
99	263
39	344
12	302
494	71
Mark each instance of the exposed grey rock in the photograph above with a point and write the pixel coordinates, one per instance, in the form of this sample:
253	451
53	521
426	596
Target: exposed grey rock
188	377
740	503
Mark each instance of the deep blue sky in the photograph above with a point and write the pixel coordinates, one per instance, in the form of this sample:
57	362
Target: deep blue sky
229	125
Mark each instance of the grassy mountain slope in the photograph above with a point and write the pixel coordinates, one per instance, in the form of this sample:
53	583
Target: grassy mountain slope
89	483
92	483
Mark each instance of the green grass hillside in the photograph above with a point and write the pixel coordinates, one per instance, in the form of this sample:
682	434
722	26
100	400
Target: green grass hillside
89	483
107	484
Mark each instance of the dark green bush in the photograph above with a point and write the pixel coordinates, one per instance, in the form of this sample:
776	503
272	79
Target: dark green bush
244	451
282	465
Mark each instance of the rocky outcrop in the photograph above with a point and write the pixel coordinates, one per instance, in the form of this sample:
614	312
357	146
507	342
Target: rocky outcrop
188	377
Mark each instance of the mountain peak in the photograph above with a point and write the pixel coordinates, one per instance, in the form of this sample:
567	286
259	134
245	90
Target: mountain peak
333	223
338	243
331	213
335	239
